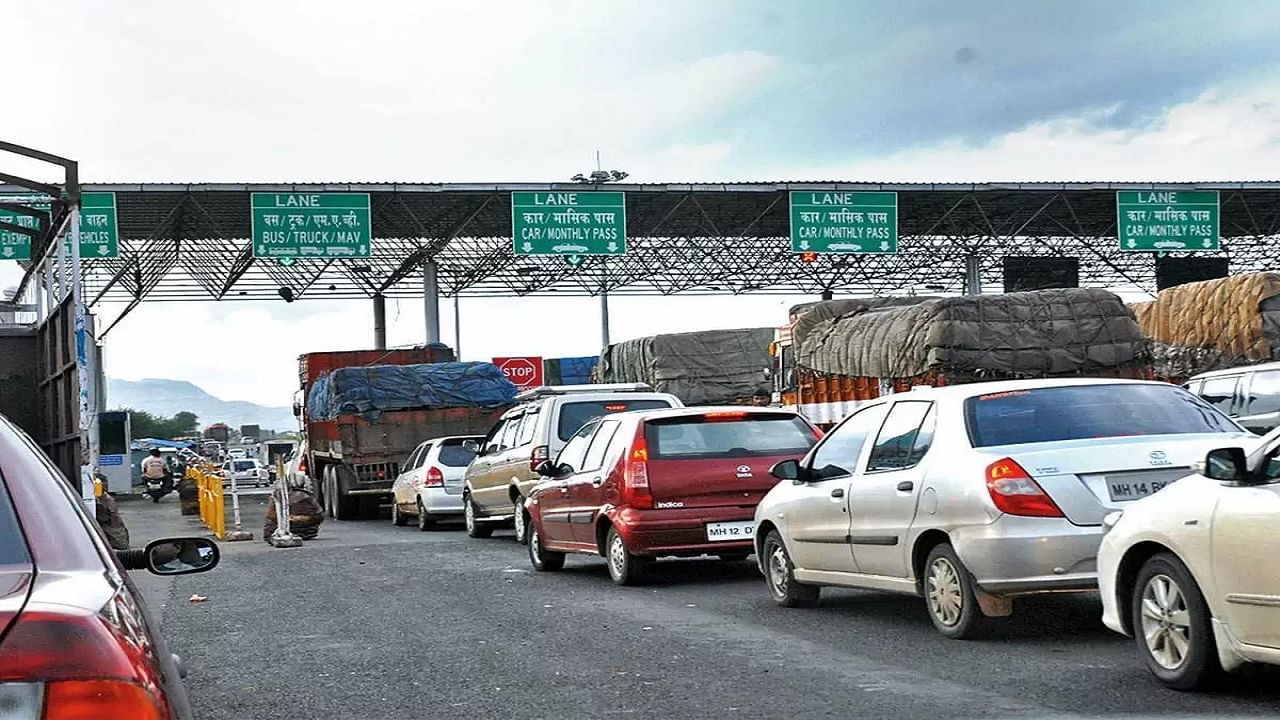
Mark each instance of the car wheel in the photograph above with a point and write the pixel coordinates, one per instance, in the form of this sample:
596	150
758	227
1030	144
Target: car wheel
520	521
951	595
398	518
475	528
425	520
1173	626
780	576
624	567
543	560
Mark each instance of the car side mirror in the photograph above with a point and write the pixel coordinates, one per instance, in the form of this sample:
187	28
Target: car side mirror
548	468
471	446
1226	464
181	556
297	410
788	470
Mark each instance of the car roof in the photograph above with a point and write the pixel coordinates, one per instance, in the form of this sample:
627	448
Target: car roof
588	397
953	392
1236	370
660	413
442	438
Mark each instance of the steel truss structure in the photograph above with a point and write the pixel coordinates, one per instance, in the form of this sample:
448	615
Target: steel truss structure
190	242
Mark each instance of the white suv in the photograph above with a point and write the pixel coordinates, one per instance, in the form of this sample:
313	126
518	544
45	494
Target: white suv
504	470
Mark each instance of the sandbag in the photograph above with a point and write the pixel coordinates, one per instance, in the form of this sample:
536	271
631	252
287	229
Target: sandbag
107	513
305	515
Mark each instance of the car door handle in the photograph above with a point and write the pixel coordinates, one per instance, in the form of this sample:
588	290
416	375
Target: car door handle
564	487
837	493
597	482
906	486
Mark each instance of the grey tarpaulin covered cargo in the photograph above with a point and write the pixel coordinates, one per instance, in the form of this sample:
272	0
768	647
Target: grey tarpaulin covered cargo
1046	332
700	368
814	314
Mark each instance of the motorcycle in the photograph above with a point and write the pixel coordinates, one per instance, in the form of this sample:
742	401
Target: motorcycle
159	487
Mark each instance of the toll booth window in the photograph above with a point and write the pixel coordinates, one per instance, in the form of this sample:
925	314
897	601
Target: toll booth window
111	437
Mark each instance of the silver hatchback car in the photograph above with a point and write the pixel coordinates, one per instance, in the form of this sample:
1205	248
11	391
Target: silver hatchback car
973	494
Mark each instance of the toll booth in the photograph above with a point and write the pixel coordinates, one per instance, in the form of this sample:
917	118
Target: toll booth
114	458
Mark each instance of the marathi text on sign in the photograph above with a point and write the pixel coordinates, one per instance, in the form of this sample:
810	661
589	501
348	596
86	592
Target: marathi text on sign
844	222
324	225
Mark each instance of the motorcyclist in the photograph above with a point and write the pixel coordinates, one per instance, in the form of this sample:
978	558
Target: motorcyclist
154	468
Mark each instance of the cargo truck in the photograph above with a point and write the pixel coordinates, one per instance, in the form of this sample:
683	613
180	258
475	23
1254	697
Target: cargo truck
363	412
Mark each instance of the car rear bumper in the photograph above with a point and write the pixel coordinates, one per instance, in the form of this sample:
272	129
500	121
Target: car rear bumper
438	502
680	531
1022	555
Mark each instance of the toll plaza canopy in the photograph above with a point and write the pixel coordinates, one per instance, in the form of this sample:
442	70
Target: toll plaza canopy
192	241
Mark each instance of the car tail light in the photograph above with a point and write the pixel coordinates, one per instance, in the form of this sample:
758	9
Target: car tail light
1016	493
80	666
302	464
435	478
540	454
635	472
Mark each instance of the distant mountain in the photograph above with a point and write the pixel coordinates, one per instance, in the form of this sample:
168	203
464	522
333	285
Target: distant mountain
169	397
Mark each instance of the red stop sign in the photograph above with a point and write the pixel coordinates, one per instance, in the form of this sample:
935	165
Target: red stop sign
523	372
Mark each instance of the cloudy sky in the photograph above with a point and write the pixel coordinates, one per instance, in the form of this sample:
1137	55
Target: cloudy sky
714	90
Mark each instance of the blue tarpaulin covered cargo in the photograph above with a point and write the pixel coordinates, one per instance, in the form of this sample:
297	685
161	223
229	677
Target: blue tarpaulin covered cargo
569	370
372	390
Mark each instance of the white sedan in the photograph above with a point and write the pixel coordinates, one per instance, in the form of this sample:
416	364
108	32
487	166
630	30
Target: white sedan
1191	572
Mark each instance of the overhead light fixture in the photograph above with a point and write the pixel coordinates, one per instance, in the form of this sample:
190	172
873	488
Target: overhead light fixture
332	288
286	293
360	268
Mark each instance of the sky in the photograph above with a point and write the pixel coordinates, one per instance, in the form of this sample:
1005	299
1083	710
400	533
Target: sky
714	90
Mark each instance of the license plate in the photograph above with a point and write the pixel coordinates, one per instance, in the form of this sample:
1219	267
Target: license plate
1125	490
723	531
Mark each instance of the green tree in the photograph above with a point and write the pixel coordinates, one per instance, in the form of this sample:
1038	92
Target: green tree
146	425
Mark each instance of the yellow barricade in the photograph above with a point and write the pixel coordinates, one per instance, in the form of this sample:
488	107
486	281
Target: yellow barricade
212	508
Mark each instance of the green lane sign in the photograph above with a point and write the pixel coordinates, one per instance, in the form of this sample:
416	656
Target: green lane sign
15	245
1156	220
569	223
844	222
321	225
99	228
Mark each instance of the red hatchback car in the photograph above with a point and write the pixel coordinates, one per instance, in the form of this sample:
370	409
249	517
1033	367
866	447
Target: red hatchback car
75	640
639	485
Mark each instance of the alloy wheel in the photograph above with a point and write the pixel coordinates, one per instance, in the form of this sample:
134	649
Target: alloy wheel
778	572
946	600
1166	624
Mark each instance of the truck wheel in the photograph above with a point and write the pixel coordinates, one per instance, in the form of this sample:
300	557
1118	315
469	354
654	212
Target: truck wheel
475	528
329	492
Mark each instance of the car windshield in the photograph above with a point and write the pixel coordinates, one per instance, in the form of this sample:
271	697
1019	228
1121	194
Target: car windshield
13	546
576	414
717	435
453	454
242	465
1088	411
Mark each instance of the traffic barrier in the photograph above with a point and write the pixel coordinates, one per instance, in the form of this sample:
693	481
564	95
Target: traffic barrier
212	509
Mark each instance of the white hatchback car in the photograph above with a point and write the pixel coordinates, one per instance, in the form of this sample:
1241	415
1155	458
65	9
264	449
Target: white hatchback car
972	494
429	486
1192	573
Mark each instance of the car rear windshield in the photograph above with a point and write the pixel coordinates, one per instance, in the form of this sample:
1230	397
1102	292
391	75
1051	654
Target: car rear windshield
13	547
576	414
1088	411
711	436
453	454
242	465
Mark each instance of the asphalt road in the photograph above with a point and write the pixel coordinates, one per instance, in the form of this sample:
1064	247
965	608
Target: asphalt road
374	621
